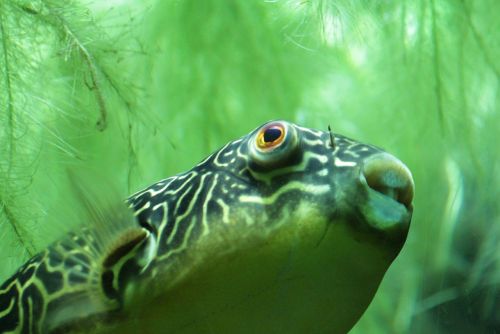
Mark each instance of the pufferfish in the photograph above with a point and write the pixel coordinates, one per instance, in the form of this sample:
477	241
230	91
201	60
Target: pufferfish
284	230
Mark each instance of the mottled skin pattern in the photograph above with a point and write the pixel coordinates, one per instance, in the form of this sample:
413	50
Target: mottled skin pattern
229	181
70	277
240	196
51	278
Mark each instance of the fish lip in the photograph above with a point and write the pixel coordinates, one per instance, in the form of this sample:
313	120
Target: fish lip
383	212
386	174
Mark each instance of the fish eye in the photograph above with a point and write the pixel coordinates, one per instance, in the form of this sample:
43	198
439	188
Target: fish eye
273	143
270	136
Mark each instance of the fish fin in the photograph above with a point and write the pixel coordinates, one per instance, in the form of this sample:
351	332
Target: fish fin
84	276
118	249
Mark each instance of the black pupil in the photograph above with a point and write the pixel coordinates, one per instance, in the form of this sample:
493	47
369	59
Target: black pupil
271	134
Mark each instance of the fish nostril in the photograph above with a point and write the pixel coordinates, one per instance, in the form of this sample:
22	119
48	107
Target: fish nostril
389	176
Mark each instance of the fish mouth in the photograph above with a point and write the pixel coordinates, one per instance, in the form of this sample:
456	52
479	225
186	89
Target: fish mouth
390	190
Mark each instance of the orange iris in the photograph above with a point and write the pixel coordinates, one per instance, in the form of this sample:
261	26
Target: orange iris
270	136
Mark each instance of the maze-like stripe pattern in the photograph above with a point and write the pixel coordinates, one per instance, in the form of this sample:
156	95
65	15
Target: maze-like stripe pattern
240	187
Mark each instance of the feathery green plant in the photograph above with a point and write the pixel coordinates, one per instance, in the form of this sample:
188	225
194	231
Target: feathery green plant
137	91
62	96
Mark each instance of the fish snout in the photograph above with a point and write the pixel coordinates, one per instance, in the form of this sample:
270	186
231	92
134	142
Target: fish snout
389	176
387	205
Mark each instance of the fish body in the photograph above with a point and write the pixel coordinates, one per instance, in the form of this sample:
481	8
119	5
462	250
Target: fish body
285	230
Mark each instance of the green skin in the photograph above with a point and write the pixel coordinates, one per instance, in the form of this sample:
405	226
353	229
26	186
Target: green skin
292	238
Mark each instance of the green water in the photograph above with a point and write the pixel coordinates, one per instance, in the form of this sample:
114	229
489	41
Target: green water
135	91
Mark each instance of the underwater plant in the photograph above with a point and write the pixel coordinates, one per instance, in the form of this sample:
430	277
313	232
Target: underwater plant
134	91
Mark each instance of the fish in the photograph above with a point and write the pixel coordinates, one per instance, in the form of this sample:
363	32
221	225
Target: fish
287	229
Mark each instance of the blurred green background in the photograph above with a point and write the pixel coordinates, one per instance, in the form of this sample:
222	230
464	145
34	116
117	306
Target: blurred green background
135	91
